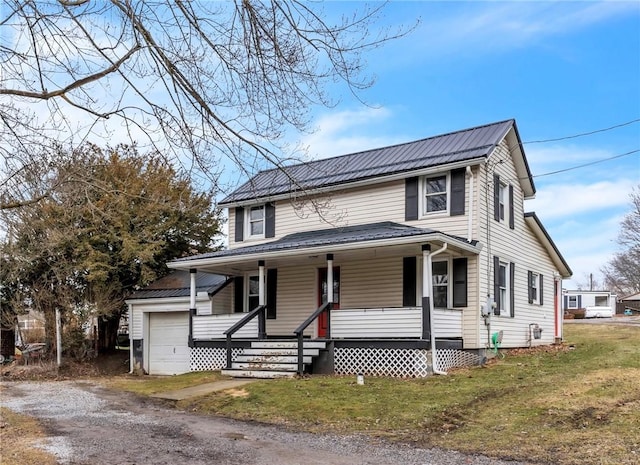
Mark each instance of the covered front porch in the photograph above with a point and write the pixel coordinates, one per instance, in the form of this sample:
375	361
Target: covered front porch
363	292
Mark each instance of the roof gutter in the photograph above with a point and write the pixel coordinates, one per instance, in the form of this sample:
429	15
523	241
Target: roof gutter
330	248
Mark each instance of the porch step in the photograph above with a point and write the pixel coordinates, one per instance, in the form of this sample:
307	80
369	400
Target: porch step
272	359
288	344
277	366
260	374
281	352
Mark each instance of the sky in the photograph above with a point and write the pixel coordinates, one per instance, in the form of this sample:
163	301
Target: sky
560	69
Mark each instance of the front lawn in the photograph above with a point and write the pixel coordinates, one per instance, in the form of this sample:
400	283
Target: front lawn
577	404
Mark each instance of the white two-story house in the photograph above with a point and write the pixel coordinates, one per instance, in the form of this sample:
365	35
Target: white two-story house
401	261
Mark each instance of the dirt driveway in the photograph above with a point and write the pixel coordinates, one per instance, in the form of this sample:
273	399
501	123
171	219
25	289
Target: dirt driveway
90	425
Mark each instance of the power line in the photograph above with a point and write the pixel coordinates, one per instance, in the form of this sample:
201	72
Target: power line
583	134
586	164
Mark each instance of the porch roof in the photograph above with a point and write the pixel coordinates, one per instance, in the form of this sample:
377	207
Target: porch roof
178	284
328	241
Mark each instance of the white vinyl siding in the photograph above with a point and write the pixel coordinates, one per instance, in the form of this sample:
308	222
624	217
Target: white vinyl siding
169	304
379	322
518	246
447	322
214	326
352	206
372	283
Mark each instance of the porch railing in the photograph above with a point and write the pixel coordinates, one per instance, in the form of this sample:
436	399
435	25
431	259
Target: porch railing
261	313
299	332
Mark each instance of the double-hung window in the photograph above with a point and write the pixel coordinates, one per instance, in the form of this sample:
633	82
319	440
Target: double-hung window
502	200
440	281
535	288
256	221
503	301
503	285
572	301
435	194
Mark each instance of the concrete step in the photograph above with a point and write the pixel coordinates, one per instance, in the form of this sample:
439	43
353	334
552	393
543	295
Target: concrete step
262	358
260	374
287	344
265	366
281	352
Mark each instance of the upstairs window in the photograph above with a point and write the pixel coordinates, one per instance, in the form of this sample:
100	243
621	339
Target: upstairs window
435	194
502	200
256	221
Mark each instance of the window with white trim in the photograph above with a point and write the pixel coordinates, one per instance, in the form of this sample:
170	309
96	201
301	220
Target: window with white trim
435	196
534	288
440	283
253	292
255	221
503	288
572	301
502	199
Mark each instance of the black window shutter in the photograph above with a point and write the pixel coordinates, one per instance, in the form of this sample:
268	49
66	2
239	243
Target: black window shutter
512	223
579	301
496	284
459	282
269	220
530	285
411	199
566	302
496	197
457	191
409	280
272	289
541	279
238	294
512	284
239	224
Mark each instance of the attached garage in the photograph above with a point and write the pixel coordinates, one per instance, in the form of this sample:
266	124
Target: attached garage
159	322
168	343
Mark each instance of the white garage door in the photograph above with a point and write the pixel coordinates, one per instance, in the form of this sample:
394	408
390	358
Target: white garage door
169	343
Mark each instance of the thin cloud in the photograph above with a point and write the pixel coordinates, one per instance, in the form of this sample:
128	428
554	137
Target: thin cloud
504	26
571	199
349	131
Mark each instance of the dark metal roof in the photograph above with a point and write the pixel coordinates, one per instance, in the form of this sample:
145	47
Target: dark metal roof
178	284
467	144
324	237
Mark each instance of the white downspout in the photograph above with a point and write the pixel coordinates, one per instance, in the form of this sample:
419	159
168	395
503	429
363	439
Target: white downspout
427	286
471	194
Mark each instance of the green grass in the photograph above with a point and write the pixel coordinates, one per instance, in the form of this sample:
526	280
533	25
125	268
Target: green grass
577	405
148	385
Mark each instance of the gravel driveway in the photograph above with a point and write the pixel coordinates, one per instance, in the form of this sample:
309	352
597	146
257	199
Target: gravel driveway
90	425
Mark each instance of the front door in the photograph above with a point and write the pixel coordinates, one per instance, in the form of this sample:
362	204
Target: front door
322	296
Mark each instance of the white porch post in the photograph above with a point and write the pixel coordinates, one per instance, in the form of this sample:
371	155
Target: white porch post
426	291
261	296
330	277
192	302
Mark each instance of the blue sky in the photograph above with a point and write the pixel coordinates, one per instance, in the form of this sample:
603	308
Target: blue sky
558	68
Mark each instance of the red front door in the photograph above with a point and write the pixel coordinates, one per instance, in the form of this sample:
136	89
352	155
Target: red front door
322	296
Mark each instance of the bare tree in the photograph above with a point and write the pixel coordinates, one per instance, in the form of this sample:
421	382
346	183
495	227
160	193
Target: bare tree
208	84
622	273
